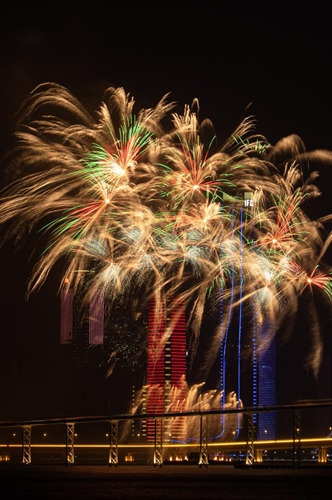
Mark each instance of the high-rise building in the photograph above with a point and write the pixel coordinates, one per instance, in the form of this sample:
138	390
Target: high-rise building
166	385
265	374
247	354
81	326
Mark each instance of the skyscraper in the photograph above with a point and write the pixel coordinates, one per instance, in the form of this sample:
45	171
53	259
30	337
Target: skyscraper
166	364
247	353
79	325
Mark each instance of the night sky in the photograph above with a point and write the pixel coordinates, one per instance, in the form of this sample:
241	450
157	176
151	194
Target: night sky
275	66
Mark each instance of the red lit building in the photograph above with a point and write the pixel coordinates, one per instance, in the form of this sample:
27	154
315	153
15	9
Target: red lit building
166	365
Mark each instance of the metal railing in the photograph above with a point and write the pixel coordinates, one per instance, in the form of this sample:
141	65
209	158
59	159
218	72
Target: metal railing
203	443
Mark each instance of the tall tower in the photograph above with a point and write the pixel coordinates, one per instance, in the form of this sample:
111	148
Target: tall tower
81	326
246	370
266	387
166	365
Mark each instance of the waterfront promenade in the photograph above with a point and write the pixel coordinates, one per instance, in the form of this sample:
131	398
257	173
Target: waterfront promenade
176	482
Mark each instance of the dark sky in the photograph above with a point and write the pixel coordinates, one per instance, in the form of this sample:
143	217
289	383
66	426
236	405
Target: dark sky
277	63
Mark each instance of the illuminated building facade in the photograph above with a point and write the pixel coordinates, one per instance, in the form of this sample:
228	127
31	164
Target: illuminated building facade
247	357
81	327
166	386
264	383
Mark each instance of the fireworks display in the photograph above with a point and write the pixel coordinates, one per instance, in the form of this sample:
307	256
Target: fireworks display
155	207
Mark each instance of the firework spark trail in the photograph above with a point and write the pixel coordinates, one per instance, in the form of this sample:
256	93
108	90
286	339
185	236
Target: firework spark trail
158	211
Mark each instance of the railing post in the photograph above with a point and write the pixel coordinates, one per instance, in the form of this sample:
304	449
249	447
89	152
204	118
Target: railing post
296	438
203	440
250	439
158	443
70	437
113	458
26	445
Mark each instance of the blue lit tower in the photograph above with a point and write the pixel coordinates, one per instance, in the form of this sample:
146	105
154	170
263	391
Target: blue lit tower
264	379
247	353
